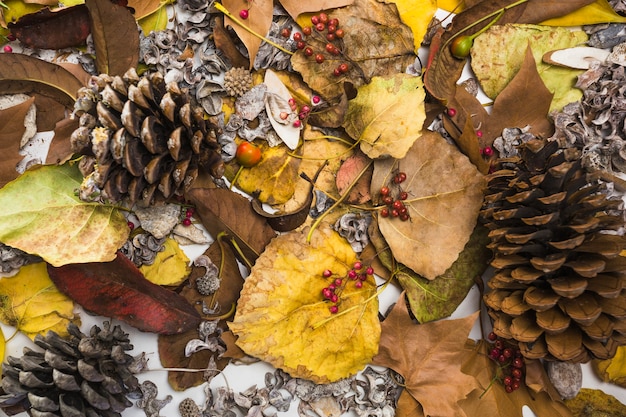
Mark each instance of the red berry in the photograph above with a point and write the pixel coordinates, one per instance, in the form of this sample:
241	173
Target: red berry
479	133
300	45
343	67
398	205
320	27
369	270
285	32
494	353
315	19
358	265
307	30
388	200
335	51
319	58
332	288
487	151
333	22
308	51
403	195
340	33
131	225
186	221
327	293
384	190
7	49
297	36
331	29
333	309
517	373
330	47
451	112
400	177
395	213
323	17
507	380
403	211
518	363
358	284
499	344
508	388
492	336
330	37
244	14
297	123
515	385
316	99
305	109
327	273
336	72
352	274
508	352
189	213
404	216
384	212
338	282
334	298
502	358
11	37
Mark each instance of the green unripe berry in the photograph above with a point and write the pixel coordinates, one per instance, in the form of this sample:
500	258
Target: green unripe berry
461	45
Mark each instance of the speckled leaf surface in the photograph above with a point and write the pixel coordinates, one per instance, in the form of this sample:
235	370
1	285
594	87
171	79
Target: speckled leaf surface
40	214
387	115
282	317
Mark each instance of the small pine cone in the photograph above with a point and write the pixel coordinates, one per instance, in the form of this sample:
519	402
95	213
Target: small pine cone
82	375
147	137
559	287
237	81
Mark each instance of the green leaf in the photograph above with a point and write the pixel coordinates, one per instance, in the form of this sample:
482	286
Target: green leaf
40	214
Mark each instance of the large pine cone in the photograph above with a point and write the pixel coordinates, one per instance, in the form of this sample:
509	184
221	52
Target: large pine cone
143	140
559	287
84	375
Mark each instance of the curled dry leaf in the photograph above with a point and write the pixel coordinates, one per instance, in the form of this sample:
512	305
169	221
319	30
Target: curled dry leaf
445	192
41	215
12	129
115	37
428	356
283	319
118	289
222	210
172	347
614	369
30	302
24	74
387	115
53	29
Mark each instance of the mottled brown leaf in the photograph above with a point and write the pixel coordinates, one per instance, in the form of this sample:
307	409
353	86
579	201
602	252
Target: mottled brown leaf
11	130
115	37
172	347
118	289
222	210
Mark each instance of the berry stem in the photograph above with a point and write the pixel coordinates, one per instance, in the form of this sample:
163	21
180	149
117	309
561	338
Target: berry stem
336	203
222	9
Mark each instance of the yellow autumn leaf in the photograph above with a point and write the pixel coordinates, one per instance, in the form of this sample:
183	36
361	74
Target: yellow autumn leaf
614	369
416	15
282	317
170	267
456	6
599	11
31	302
387	115
2	348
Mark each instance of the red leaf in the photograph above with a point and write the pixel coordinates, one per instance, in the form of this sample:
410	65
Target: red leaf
118	289
57	29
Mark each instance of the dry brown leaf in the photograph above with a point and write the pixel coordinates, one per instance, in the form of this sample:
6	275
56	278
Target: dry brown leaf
115	37
11	130
429	357
445	192
282	317
60	150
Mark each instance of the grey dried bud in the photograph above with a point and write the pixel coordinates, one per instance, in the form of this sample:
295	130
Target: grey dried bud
237	81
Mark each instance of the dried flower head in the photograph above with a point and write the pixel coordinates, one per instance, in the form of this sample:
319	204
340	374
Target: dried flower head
237	81
188	408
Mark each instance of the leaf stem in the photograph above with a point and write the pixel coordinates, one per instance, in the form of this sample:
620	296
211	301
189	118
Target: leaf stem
232	17
336	203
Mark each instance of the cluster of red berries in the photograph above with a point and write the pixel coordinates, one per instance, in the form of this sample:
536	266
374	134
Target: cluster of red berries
326	31
393	197
358	274
510	362
187	214
303	112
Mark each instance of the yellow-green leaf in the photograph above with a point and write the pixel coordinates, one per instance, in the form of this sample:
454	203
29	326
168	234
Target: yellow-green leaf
283	319
170	267
416	15
40	214
387	115
154	22
497	55
599	11
31	302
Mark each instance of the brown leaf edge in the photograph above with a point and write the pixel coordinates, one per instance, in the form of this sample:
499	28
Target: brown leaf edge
119	290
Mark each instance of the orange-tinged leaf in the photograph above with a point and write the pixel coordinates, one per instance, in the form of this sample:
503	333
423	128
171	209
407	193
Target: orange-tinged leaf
40	214
429	356
283	319
445	192
387	115
31	302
